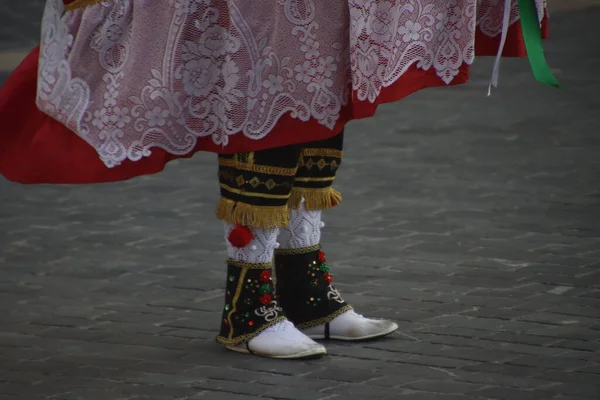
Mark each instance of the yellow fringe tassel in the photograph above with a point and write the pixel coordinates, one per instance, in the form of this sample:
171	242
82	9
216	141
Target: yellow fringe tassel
254	216
315	199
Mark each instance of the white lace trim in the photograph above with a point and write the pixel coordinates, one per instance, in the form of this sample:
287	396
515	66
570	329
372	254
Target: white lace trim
490	15
217	68
260	250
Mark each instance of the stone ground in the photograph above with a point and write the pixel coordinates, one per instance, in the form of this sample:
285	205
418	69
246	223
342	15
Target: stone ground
473	222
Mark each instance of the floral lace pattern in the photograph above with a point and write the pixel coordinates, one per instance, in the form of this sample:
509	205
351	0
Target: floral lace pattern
260	249
304	229
215	69
489	13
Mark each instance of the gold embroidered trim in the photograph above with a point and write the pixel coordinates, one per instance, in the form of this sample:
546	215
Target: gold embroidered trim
247	158
247	265
329	178
254	216
323	153
261	169
293	252
80	4
309	163
315	199
324	320
246	338
253	194
236	297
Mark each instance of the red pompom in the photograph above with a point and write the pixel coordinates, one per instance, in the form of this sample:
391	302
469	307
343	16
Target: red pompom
321	257
240	236
328	278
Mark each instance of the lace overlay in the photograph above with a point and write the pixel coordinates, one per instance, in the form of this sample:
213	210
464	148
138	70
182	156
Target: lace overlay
58	93
489	14
260	250
304	229
131	75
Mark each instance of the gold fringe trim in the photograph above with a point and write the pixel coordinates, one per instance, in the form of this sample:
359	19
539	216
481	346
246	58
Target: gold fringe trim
253	216
294	252
81	4
261	169
246	338
247	265
324	320
315	199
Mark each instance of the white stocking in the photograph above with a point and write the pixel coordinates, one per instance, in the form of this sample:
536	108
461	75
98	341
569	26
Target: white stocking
304	229
260	249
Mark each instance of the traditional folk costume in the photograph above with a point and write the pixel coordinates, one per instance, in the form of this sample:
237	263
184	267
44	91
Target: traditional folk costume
118	88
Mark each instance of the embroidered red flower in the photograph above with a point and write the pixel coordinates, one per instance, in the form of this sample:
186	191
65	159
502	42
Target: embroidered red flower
265	299
328	278
240	236
265	276
321	257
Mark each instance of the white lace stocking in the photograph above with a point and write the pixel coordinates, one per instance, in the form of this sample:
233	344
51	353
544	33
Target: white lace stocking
260	250
304	229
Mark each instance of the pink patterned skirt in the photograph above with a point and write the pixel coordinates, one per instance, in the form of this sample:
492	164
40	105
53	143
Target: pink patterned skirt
118	88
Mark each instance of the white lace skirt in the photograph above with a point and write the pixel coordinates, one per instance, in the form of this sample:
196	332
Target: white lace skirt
131	75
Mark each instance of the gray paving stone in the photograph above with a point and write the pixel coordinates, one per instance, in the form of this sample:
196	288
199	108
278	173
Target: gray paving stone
432	396
392	381
227	387
220	396
446	386
366	391
291	393
511	394
344	375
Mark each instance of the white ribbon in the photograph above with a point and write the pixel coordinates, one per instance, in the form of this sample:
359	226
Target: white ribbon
505	26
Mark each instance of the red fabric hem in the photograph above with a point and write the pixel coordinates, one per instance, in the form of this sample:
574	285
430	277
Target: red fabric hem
486	46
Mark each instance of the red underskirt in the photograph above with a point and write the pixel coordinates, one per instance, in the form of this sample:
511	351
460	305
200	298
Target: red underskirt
35	148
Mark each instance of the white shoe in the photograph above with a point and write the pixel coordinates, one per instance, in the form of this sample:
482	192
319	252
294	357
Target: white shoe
352	326
282	340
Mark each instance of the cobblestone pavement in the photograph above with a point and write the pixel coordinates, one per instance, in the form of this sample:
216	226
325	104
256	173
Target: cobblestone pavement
473	222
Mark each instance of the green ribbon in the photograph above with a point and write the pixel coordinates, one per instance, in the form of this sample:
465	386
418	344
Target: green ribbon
532	35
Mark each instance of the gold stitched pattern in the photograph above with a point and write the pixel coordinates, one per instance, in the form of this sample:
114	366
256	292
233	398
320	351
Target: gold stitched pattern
293	252
236	297
326	179
323	153
229	176
247	265
253	194
81	4
261	169
324	320
321	164
240	180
